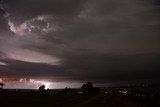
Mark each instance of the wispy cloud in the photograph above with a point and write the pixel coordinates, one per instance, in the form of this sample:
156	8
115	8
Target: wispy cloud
32	56
2	63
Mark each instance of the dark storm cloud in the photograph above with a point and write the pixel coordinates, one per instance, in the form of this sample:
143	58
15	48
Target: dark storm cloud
111	67
2	12
95	40
3	26
97	68
22	10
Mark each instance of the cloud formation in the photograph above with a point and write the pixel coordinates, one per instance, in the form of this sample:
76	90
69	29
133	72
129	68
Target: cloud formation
105	41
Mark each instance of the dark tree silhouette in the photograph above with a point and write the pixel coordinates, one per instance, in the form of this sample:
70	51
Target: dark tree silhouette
1	84
89	89
42	88
68	91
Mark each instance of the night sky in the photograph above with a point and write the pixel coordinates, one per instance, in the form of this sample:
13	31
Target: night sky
62	43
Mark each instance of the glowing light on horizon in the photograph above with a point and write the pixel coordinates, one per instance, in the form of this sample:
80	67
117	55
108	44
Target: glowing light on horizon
41	82
47	85
26	83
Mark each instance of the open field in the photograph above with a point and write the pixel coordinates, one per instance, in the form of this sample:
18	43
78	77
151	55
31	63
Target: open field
36	99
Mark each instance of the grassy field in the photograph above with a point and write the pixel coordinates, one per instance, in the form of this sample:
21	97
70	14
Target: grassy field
75	100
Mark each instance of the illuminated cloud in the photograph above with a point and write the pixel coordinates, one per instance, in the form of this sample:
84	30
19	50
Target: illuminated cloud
20	30
1	80
36	83
32	56
25	80
41	82
40	24
2	63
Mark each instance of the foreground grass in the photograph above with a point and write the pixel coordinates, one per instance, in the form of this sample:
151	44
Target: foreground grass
76	100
